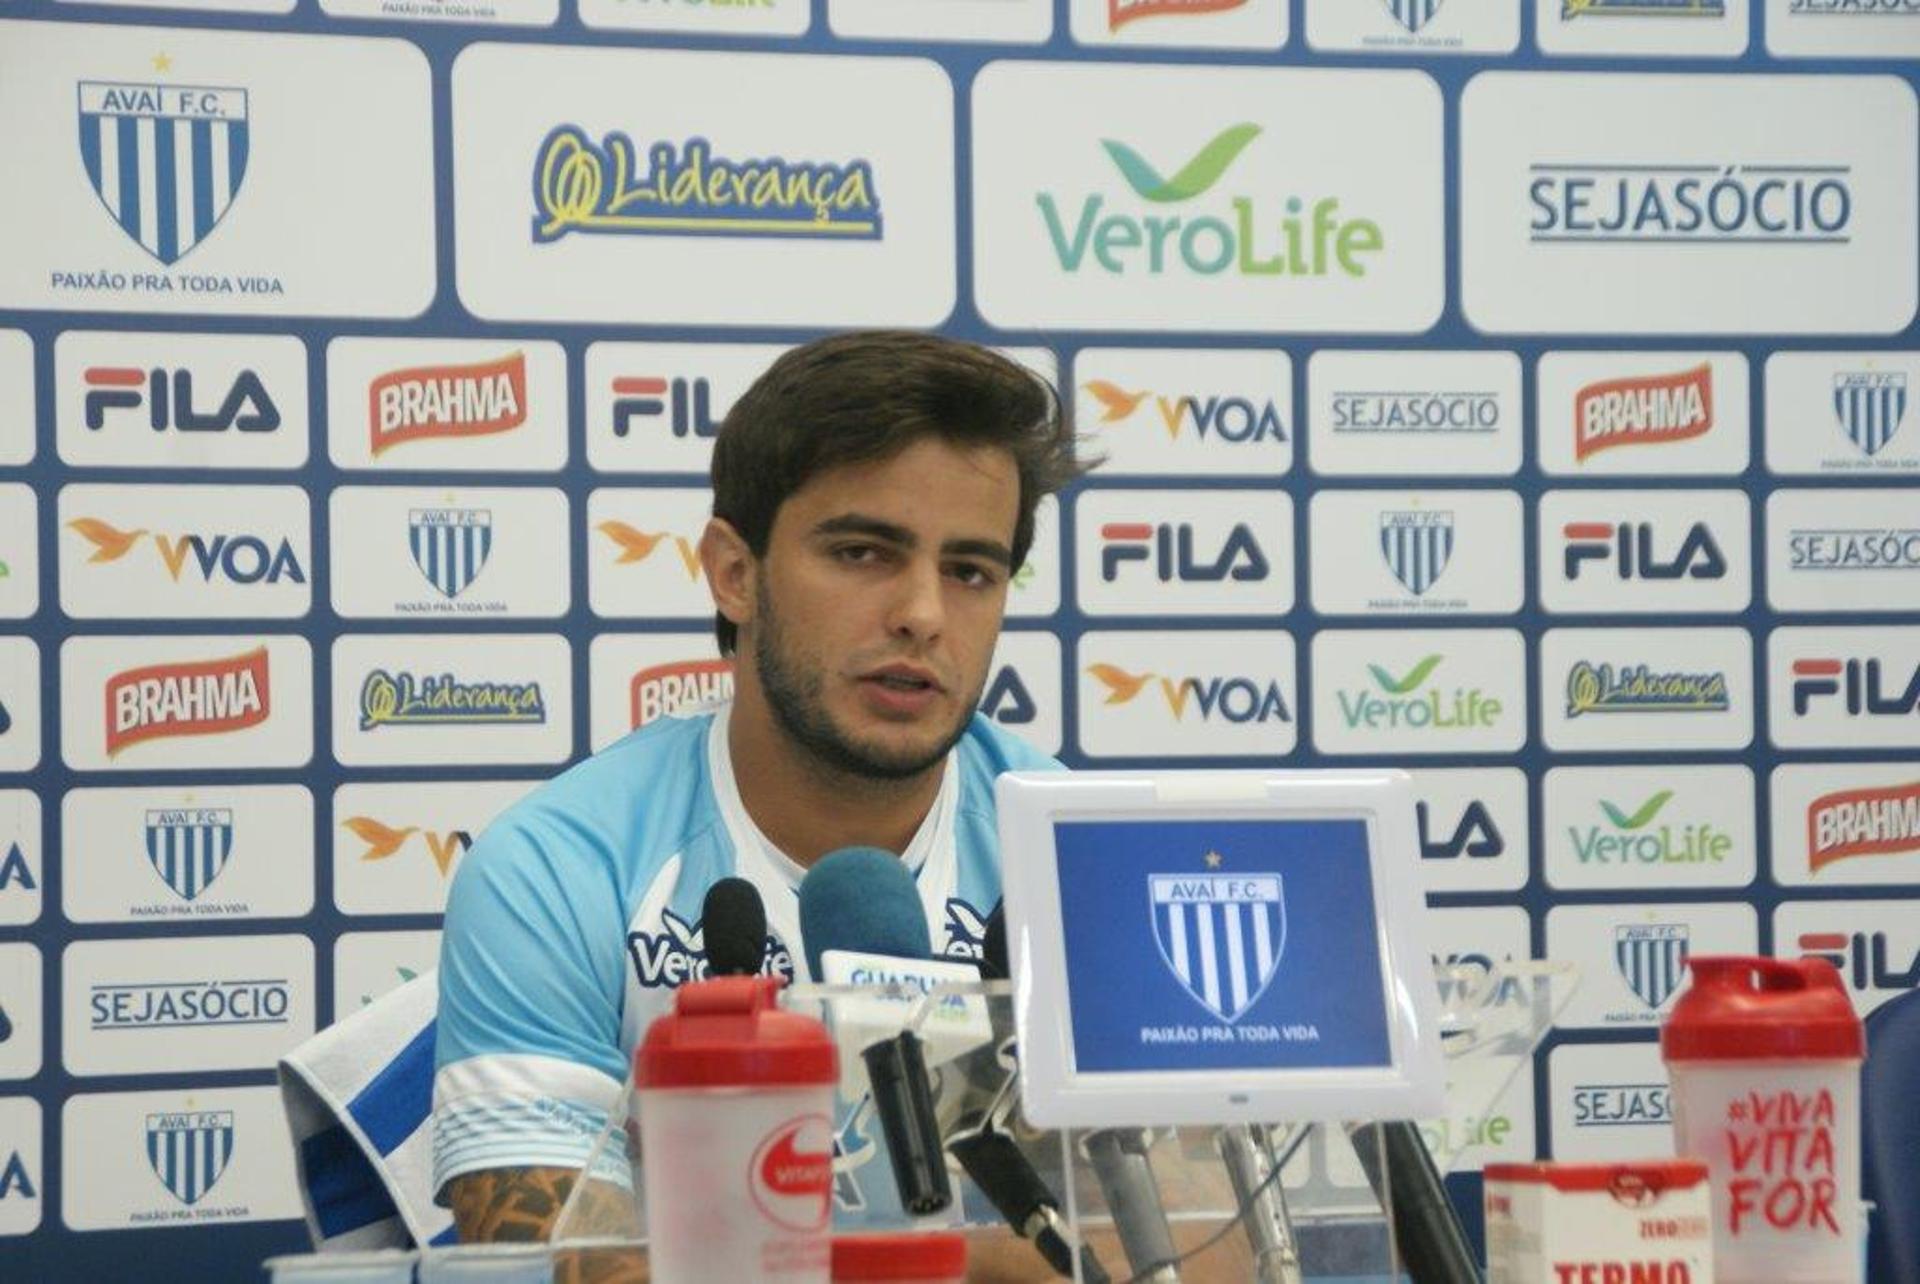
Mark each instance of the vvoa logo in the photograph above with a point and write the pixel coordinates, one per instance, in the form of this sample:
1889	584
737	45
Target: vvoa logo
1202	417
1186	694
1187	411
235	557
634	545
383	841
1235	700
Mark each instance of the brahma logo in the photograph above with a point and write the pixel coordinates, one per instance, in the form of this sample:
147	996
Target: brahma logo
1639	688
693	191
663	689
1168	549
1122	12
447	401
1234	699
1645	410
638	545
384	841
240	559
1306	245
1628	547
1407	702
192	698
167	395
1198	417
1863	822
1817	678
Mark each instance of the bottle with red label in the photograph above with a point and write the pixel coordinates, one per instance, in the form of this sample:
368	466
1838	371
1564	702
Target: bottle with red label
736	1137
1765	1060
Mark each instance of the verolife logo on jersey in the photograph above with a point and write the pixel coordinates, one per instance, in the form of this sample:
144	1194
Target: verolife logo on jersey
178	702
476	698
1192	412
1414	413
1649	828
1874	944
1473	828
1857	552
184	551
1841	688
1645	552
1841	412
1624	413
1843	28
1610	1102
1437	552
458	404
176	1158
407	553
395	847
1854	823
1221	220
1626	688
1186	694
1406	691
125	399
1154	552
643	556
164	1005
156	854
20	1178
1634	956
167	172
655	407
1580	229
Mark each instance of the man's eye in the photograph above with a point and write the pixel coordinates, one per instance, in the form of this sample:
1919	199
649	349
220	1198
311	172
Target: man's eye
973	576
856	553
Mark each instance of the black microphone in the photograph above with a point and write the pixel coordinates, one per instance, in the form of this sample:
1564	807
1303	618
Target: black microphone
1125	1172
733	926
1433	1246
993	946
863	899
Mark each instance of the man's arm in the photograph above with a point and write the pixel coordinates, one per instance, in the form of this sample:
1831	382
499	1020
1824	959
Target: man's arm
509	1205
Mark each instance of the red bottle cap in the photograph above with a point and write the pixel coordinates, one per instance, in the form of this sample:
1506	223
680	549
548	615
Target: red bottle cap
1755	1009
730	1032
899	1257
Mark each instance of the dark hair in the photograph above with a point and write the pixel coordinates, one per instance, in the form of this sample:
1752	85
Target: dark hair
866	395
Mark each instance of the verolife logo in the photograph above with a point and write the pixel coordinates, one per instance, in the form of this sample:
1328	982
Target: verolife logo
1239	236
1634	839
1409	702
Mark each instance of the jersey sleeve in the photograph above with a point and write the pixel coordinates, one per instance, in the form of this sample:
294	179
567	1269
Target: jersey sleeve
528	1066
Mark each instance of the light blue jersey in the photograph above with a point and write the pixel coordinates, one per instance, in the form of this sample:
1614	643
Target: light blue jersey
578	911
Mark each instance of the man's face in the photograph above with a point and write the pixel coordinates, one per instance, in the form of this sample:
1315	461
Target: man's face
878	604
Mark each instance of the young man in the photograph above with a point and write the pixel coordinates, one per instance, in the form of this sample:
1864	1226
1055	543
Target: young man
873	493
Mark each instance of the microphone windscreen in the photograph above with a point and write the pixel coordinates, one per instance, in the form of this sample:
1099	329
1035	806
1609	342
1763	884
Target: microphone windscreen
733	926
993	946
862	898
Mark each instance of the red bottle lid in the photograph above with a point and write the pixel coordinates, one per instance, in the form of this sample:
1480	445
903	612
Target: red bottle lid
730	1032
899	1257
1755	1009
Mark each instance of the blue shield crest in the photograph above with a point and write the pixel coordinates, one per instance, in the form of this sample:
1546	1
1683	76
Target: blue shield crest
1414	14
188	1151
1416	545
1870	405
1221	935
166	160
450	545
188	848
1651	959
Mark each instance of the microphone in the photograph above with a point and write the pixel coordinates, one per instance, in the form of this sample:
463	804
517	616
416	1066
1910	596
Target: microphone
1125	1172
733	925
863	900
1247	1152
993	946
1433	1247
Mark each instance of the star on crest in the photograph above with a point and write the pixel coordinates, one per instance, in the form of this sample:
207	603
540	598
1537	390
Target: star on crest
1213	860
161	62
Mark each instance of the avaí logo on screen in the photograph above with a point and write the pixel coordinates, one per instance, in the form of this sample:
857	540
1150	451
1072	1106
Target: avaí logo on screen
1239	235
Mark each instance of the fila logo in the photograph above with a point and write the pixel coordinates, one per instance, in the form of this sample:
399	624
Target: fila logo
15	872
1645	410
383	841
1007	701
243	559
1630	546
194	698
665	688
449	401
638	545
1236	699
1474	836
1862	958
169	400
1236	420
1817	678
1863	822
687	403
1169	549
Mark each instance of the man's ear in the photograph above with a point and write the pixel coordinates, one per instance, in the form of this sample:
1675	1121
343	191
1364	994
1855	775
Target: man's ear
730	567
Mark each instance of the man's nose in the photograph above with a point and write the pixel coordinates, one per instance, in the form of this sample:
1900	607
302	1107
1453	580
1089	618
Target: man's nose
919	606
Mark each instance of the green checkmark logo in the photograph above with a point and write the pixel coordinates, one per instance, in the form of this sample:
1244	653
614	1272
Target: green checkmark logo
1195	177
1400	686
1648	810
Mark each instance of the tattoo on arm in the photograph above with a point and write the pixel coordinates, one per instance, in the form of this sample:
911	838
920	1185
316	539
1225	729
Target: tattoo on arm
509	1205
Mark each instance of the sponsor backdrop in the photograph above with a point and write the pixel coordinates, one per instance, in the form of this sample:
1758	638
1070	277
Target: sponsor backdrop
1524	392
